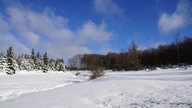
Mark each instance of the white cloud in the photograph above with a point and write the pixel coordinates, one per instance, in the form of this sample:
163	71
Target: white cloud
7	40
4	26
31	24
67	51
107	7
46	31
168	23
178	19
93	33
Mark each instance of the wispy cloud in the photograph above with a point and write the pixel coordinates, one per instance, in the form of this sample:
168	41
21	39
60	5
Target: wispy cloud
107	7
47	31
178	19
4	26
110	12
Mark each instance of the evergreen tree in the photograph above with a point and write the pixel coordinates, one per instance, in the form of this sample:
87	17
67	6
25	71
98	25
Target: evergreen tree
27	56
46	62
33	54
59	66
38	61
33	60
3	63
10	61
38	55
25	63
52	64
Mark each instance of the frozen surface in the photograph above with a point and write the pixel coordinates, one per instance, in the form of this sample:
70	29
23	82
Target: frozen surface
170	88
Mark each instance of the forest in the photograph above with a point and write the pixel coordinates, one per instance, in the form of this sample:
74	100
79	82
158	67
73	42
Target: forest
174	54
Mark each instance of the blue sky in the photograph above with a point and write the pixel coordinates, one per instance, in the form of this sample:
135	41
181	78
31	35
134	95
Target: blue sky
64	28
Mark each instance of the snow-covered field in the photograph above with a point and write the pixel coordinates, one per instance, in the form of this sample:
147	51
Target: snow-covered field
170	88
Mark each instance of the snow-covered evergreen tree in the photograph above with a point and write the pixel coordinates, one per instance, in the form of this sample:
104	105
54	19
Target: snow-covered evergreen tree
34	60
3	63
25	63
46	62
10	61
39	64
38	55
59	66
52	63
33	54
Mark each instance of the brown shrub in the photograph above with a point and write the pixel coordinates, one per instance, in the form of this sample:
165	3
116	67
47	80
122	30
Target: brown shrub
97	72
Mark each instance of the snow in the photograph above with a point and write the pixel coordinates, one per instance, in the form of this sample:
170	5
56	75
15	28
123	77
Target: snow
161	88
28	82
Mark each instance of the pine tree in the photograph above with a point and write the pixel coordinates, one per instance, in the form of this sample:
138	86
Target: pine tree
33	54
25	63
52	64
33	60
38	55
59	66
38	62
3	63
46	62
11	63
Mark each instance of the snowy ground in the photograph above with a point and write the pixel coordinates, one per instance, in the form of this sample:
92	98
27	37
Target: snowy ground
170	88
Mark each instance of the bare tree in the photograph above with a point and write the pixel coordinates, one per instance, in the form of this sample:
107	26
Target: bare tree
75	62
134	62
177	44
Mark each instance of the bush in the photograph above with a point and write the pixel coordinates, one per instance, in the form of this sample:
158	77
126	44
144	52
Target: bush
97	72
77	73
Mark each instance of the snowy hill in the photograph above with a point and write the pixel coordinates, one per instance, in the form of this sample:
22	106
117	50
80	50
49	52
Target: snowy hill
170	88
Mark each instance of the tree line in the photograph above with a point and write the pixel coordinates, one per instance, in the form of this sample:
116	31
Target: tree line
10	63
176	53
